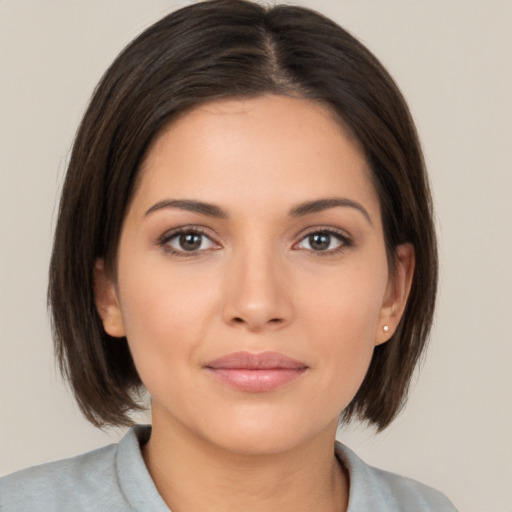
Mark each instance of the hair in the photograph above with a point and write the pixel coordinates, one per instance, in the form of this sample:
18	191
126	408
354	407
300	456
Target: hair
211	50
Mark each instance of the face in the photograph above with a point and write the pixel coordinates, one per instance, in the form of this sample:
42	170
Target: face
252	281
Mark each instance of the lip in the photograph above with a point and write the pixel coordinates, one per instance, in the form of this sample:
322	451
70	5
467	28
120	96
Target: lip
246	371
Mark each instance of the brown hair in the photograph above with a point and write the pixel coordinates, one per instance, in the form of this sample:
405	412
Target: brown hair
217	49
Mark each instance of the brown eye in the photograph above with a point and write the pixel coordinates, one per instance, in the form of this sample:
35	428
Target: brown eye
188	242
324	241
319	241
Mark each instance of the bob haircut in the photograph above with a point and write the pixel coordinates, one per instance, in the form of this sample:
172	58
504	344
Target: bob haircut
203	52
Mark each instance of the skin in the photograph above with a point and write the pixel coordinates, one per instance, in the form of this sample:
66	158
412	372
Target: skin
256	283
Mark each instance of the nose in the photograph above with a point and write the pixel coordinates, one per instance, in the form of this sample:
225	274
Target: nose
258	292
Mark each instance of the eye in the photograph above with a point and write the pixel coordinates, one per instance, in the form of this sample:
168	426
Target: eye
323	241
188	241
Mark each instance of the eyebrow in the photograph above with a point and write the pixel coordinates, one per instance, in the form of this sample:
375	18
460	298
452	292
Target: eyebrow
320	205
208	209
212	210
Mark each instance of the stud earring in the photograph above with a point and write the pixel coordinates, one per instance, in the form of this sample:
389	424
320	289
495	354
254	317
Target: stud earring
385	328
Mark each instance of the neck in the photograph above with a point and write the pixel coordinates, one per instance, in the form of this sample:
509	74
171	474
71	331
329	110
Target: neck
192	474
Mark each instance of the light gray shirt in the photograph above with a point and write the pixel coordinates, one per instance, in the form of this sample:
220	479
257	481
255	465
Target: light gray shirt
115	478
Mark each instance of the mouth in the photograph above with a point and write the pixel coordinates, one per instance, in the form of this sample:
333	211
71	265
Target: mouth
255	373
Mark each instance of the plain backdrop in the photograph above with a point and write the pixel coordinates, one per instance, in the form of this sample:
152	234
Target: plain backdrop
452	59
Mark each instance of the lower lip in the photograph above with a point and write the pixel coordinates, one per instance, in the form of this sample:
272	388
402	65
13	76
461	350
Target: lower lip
257	381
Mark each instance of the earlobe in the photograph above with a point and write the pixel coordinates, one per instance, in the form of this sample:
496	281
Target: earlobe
397	293
107	303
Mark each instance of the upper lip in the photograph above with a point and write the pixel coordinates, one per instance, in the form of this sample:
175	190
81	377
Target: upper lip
255	361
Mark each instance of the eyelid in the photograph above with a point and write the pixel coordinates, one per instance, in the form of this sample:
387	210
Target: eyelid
163	240
345	239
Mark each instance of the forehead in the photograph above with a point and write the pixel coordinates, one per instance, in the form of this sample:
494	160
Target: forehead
272	147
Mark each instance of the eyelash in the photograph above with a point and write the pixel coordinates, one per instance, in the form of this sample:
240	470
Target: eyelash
189	230
344	241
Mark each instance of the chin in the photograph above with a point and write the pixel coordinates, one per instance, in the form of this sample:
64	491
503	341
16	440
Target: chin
258	443
266	436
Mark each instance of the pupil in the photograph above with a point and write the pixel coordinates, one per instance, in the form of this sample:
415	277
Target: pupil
190	241
319	241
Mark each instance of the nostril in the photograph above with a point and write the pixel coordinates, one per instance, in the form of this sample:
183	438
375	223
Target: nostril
239	320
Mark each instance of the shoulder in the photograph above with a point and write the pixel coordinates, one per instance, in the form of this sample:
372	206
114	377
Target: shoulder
92	481
61	485
375	489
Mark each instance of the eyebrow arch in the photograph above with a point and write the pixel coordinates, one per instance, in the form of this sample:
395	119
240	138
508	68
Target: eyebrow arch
324	204
208	209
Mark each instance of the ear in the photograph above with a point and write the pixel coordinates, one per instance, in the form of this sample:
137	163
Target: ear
107	303
397	293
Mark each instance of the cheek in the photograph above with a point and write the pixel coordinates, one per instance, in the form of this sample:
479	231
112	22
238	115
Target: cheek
345	336
165	318
348	305
342	324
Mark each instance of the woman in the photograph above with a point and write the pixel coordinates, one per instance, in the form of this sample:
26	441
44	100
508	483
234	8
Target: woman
246	232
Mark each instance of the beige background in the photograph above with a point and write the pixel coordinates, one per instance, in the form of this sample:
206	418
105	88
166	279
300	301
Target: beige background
453	61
